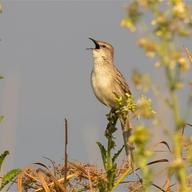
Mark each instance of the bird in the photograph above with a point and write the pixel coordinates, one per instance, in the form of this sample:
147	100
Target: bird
107	81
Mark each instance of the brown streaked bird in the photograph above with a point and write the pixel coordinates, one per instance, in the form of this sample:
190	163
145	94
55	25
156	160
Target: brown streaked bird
106	80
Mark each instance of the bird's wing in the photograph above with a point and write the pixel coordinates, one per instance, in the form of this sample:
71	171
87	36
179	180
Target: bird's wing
120	80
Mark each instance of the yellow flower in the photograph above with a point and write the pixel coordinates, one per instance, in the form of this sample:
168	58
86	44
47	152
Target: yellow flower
176	164
147	3
144	108
179	85
127	22
183	64
160	19
149	46
140	135
142	81
180	10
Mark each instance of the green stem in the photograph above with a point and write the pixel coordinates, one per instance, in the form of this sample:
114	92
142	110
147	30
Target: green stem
112	118
174	100
109	164
175	110
180	172
109	154
122	177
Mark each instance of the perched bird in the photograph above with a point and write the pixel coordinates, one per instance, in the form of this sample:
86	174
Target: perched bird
107	81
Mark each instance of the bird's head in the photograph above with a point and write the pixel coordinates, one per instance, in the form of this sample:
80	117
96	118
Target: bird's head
102	50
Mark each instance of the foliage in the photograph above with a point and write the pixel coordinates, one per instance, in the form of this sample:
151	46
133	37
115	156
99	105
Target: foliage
10	175
109	160
169	21
86	177
140	138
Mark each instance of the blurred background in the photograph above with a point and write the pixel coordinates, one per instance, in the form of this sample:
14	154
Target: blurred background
46	70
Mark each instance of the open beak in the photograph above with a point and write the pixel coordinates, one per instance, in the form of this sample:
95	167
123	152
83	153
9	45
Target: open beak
96	44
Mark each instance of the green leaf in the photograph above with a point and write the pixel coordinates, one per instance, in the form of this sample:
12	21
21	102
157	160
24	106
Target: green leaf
2	157
1	118
103	153
116	155
1	77
111	173
9	176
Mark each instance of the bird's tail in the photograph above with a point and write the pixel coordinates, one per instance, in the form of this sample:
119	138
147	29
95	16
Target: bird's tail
127	131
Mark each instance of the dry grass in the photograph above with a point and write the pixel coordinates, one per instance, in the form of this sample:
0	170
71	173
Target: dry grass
39	177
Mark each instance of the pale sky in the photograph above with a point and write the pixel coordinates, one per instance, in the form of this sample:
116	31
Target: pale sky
47	76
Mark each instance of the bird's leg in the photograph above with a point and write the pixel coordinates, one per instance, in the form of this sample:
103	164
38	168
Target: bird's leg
127	132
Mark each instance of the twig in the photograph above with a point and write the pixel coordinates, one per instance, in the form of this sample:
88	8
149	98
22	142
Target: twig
65	152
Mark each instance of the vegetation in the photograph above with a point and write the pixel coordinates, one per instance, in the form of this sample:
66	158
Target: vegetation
170	20
10	175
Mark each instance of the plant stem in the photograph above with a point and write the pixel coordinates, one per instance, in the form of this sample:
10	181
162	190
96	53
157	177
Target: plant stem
120	179
180	172
175	110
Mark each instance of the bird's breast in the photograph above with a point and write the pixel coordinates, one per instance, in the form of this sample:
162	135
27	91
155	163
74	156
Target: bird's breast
101	83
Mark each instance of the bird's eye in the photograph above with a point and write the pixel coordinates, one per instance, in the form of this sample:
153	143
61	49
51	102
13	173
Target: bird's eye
103	46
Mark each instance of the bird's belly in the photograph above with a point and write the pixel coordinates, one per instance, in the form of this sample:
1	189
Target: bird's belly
102	88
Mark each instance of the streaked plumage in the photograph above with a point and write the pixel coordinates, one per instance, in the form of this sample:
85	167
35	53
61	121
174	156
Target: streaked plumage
106	80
